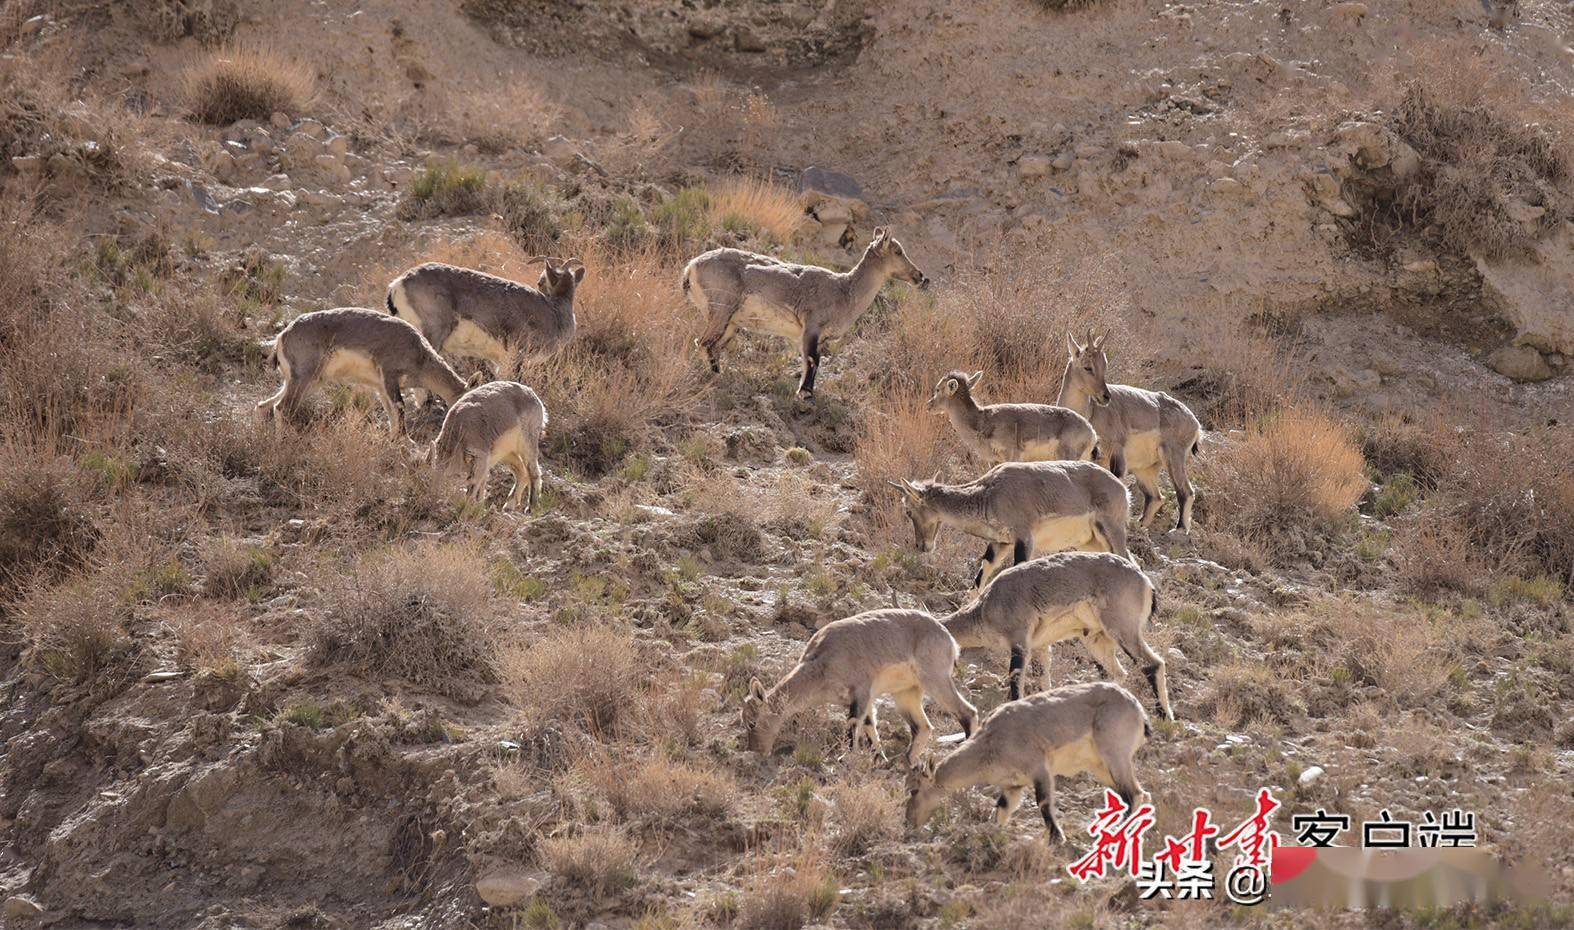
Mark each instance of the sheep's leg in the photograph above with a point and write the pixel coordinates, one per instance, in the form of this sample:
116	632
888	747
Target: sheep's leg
516	464
943	689
871	731
1010	797
533	467
479	469
719	330
1152	497
1117	459
1044	794
1175	461
297	381
393	402
911	704
1115	753
1044	657
1102	649
811	362
857	710
1018	670
995	556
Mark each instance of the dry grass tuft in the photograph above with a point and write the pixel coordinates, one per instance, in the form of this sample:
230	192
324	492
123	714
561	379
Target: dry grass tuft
1480	174
863	815
662	789
500	117
1243	692
598	860
629	369
744	203
1295	470
209	637
75	628
421	612
786	893
44	532
236	571
586	676
246	82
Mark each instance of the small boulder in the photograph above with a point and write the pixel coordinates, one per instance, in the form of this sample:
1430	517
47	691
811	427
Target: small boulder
507	886
1520	363
1033	166
830	182
1310	775
18	907
745	39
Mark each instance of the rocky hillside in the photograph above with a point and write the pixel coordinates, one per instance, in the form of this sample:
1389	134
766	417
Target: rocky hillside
286	679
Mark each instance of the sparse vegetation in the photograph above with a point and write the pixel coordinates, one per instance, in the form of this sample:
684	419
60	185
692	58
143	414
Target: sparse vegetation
1295	470
598	861
581	675
245	82
422	613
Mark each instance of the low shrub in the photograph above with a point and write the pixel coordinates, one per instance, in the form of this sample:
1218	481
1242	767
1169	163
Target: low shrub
1294	470
422	613
598	860
585	676
245	82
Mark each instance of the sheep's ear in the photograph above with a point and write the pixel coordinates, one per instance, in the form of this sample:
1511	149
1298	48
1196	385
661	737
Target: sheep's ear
951	386
1072	347
974	378
1098	344
936	478
906	487
579	273
476	380
756	690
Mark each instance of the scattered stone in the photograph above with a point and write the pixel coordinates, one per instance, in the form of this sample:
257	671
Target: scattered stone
1310	775
832	183
745	39
27	164
164	675
706	25
18	907
280	120
1063	161
203	198
1520	363
507	886
1423	266
1033	166
313	128
1228	187
1350	382
1350	13
339	145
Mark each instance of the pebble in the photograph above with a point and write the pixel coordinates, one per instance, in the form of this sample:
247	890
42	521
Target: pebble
18	907
1310	775
506	886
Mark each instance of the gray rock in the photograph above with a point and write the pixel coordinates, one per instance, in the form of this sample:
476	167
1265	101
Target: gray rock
1521	363
745	39
18	907
27	164
203	198
706	25
507	886
280	120
830	182
1033	166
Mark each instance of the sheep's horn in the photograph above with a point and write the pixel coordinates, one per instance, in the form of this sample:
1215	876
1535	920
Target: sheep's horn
571	262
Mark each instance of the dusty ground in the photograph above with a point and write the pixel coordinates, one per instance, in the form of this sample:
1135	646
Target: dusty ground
1176	172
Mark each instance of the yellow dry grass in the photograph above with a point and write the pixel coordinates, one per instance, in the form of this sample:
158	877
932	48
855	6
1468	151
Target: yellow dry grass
245	81
758	204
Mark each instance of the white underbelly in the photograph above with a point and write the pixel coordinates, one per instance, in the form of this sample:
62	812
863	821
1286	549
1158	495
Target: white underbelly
1077	756
350	366
761	316
1065	623
470	339
894	678
1057	534
1142	451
